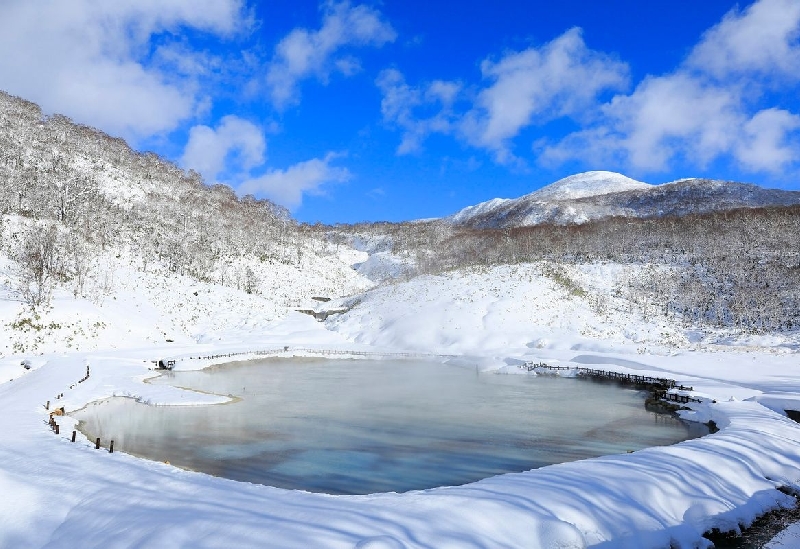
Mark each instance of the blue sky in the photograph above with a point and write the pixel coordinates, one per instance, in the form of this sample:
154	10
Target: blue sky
351	111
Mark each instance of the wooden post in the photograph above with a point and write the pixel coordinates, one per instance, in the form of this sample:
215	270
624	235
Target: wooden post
97	444
73	435
47	406
56	428
111	448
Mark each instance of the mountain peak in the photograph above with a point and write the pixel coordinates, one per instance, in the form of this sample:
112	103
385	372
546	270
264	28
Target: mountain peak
586	184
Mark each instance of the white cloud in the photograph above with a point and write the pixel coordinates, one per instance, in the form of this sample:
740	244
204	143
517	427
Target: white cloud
561	78
763	39
304	53
88	58
376	193
767	142
287	187
680	117
235	144
714	106
234	153
401	103
674	115
718	104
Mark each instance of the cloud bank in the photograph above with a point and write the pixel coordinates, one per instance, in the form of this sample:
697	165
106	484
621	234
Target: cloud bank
715	105
719	104
94	59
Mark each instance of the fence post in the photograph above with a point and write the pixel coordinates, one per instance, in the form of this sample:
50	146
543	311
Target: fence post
73	435
97	444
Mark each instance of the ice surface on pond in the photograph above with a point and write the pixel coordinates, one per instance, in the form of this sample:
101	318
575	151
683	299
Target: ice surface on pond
358	426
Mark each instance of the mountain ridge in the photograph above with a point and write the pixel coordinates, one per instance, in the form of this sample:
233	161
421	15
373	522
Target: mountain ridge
591	196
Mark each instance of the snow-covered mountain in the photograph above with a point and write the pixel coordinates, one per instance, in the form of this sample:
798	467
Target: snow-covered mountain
596	195
587	184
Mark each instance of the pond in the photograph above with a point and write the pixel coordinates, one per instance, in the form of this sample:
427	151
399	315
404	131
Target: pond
365	426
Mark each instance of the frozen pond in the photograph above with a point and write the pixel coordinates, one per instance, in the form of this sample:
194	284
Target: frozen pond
364	426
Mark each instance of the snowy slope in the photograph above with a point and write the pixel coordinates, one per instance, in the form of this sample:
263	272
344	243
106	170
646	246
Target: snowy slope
128	304
478	210
494	311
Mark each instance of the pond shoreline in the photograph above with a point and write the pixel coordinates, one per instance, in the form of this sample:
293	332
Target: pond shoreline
416	377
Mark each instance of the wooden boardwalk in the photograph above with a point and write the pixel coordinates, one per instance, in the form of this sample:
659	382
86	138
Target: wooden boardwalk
660	386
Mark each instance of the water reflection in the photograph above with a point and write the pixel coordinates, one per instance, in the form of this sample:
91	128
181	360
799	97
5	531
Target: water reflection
343	427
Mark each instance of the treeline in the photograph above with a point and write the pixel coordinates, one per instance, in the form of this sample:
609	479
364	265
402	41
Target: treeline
82	191
739	268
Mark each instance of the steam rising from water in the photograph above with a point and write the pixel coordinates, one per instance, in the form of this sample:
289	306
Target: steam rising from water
342	426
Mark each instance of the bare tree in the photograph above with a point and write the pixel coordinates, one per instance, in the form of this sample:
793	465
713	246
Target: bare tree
37	264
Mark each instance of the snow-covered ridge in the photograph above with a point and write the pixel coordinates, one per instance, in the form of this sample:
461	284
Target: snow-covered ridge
591	196
479	209
581	185
585	184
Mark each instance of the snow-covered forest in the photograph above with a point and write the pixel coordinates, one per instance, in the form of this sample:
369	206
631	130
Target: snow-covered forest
71	195
737	268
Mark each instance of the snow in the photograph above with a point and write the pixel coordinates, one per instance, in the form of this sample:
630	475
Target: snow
787	539
580	185
62	494
541	202
596	195
586	184
478	209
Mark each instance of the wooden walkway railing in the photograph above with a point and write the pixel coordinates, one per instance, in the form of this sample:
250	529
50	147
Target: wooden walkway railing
659	385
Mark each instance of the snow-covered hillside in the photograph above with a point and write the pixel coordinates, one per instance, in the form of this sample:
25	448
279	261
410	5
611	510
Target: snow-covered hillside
592	196
125	303
479	210
499	310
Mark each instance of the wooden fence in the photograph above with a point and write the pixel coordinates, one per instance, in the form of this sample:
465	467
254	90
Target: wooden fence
659	385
